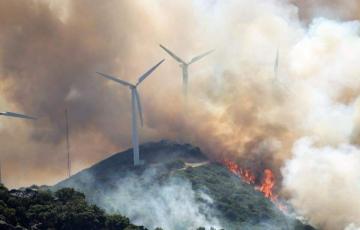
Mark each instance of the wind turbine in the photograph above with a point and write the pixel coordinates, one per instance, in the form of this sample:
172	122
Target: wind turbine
136	108
16	115
185	65
276	65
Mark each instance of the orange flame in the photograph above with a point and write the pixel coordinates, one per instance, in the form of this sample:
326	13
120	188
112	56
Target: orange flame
267	183
245	174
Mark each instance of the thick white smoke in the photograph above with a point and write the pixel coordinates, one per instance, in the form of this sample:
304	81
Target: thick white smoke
352	227
322	176
173	204
324	183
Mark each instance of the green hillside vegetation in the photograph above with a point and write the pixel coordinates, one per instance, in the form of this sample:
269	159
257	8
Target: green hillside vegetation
65	209
238	203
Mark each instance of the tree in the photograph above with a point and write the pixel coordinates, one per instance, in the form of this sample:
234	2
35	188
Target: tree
69	194
115	222
65	209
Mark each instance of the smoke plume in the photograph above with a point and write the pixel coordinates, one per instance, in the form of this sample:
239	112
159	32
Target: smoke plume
171	204
237	108
323	182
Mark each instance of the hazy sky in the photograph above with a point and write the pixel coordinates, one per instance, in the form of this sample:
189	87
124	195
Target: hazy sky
50	51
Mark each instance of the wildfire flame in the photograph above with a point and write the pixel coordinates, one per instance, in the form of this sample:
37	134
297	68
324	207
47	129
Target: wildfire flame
245	174
267	185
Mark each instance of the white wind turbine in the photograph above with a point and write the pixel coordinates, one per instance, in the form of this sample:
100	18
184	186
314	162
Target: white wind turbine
185	65
16	115
136	108
276	65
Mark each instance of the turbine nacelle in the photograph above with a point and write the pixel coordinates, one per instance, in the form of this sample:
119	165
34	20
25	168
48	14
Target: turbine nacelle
135	96
185	65
130	85
181	61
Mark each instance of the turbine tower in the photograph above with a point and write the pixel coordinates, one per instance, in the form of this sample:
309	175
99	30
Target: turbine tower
136	108
185	65
17	115
276	65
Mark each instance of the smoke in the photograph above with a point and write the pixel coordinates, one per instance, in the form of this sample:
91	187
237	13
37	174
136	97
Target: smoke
50	52
324	184
321	177
237	108
351	227
170	204
334	9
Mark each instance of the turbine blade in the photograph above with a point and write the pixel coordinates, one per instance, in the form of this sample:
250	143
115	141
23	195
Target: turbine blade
115	79
137	97
18	115
197	58
145	75
172	55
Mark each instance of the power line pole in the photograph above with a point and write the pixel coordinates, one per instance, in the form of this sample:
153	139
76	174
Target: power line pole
68	144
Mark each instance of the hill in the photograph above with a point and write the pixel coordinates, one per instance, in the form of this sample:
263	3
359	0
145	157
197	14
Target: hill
177	188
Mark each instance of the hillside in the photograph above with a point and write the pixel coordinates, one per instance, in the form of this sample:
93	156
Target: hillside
179	179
